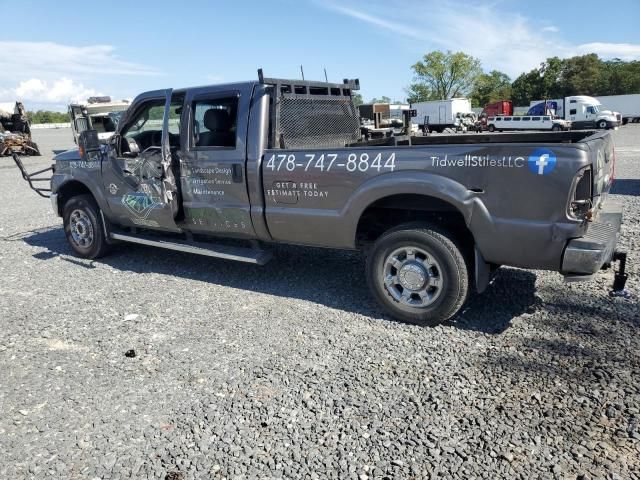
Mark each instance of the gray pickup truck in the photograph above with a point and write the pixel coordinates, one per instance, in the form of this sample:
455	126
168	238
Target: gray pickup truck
282	161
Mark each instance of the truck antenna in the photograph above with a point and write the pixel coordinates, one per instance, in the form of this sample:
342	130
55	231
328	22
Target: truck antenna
302	71
325	76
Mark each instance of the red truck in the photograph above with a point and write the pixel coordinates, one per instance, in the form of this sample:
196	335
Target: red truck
502	107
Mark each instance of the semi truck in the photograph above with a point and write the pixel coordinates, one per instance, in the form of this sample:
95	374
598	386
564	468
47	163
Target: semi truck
232	169
501	107
439	115
582	111
627	105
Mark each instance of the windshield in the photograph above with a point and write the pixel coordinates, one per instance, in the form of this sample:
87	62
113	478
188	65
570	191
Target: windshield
593	109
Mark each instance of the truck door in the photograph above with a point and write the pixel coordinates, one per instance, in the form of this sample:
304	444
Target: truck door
139	173
213	182
590	114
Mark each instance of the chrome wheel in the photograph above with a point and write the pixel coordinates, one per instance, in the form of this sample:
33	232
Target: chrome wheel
81	228
413	277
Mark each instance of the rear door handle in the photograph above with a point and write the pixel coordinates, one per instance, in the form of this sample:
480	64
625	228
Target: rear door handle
236	172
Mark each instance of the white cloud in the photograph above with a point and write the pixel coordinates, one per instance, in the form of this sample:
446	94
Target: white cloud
63	90
516	47
37	59
623	51
49	75
400	28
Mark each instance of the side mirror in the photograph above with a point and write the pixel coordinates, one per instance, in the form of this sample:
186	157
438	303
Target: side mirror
81	124
88	143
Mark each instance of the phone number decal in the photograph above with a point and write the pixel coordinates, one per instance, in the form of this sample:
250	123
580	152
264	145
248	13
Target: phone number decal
327	162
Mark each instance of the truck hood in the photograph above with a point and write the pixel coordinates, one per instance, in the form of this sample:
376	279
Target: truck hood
608	113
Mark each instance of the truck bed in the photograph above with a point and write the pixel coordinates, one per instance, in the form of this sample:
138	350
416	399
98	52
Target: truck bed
520	137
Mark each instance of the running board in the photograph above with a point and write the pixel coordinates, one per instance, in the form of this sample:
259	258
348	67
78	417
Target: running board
239	254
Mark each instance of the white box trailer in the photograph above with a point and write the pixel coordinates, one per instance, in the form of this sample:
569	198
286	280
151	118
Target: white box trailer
627	105
441	114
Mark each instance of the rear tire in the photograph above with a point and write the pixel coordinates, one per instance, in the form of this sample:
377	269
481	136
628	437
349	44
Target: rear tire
492	128
418	274
83	227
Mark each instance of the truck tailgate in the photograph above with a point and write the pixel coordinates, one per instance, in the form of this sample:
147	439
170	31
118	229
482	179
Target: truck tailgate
602	156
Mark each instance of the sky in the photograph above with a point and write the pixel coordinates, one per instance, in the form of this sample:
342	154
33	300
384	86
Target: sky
52	53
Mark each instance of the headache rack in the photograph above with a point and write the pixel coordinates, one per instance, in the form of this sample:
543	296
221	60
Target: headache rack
308	114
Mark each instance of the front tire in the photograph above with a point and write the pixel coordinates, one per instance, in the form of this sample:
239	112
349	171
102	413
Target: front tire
418	274
602	124
492	128
83	228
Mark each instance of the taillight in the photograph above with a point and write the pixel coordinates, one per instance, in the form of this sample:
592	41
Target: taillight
613	164
580	205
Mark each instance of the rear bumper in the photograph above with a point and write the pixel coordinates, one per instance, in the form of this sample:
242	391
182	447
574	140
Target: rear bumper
588	254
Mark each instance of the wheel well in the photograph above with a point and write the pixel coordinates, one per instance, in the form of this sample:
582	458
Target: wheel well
70	190
395	210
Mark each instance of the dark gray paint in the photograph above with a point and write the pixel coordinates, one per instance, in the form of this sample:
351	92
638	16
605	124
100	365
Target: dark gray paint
516	217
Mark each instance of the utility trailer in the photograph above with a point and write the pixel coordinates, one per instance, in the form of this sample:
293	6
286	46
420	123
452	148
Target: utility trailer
258	163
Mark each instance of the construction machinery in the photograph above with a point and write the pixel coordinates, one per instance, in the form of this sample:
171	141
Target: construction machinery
15	133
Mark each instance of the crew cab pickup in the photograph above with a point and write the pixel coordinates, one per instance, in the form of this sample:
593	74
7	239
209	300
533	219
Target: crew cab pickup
282	161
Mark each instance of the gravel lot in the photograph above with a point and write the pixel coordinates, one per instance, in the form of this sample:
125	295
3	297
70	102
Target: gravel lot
289	371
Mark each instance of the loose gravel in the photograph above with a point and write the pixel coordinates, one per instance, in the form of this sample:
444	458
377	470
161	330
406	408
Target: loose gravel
156	364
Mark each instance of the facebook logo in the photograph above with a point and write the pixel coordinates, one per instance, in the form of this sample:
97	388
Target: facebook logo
542	161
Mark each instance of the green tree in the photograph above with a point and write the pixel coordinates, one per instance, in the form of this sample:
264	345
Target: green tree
551	83
526	87
384	99
581	75
445	74
357	99
45	116
490	87
419	93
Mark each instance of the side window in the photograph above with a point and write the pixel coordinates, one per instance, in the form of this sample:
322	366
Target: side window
535	119
497	119
145	130
215	122
526	119
546	119
148	120
516	119
573	111
507	119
